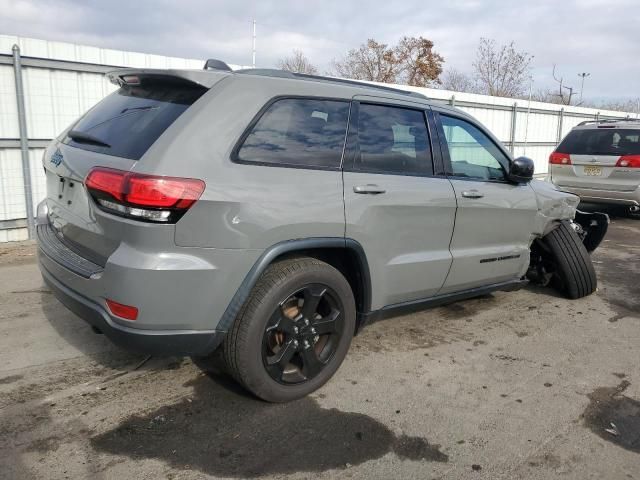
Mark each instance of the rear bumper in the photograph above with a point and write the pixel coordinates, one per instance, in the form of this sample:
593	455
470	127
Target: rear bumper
181	293
155	342
612	197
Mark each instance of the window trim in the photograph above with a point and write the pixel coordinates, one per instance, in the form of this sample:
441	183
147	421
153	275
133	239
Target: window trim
439	165
444	146
247	131
353	140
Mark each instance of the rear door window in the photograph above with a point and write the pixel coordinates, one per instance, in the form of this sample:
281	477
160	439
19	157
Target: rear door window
601	141
301	132
392	140
127	122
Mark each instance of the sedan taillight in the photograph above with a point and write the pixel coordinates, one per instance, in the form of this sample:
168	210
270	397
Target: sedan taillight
148	198
629	161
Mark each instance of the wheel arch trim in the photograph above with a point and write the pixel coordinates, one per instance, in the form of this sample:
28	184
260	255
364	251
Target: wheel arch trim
292	246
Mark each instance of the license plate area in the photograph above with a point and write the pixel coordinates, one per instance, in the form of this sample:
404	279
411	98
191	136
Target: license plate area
592	171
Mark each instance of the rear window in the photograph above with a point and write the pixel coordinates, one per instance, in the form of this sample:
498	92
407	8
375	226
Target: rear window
393	140
603	141
127	122
298	132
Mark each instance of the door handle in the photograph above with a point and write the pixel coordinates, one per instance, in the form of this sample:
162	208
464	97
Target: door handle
472	194
369	189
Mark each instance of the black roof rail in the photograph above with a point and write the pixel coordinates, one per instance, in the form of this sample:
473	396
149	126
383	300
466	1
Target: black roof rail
272	72
267	72
215	64
359	83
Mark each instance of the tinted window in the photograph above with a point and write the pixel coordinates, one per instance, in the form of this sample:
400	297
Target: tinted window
303	132
393	140
473	154
604	141
127	122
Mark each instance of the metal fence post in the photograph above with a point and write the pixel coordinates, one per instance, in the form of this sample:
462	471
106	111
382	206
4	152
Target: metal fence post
512	139
452	101
560	125
24	139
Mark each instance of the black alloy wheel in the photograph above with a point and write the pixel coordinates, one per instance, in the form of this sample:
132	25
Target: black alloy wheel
302	335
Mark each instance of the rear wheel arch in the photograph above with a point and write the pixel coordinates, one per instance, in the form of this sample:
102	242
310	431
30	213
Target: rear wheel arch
345	255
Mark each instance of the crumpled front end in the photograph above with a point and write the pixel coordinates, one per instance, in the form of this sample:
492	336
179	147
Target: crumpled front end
555	205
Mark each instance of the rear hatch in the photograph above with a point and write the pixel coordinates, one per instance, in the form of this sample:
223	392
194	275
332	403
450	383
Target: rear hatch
601	158
114	134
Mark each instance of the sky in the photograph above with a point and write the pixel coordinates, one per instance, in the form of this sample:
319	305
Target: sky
599	37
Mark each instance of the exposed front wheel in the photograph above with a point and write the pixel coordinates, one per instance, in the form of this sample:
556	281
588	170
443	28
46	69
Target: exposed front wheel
294	331
574	274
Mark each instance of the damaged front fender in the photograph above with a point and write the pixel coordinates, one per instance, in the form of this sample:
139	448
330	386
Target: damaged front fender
555	206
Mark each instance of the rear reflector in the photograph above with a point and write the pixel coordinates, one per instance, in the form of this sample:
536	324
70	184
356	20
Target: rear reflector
629	161
124	311
143	197
557	158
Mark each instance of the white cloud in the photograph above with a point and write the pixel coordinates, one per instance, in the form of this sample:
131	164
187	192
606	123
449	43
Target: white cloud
596	36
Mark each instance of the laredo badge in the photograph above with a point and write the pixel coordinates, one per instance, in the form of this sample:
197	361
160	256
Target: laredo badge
57	157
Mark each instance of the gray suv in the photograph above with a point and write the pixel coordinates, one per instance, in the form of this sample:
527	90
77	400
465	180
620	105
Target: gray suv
274	214
600	162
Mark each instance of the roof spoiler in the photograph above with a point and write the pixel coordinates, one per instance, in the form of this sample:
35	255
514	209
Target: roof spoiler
135	76
215	64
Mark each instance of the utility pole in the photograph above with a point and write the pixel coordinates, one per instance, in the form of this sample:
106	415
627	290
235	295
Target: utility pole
526	125
583	75
253	58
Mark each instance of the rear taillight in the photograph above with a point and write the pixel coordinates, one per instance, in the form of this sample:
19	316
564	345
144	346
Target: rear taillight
629	161
125	311
557	158
143	197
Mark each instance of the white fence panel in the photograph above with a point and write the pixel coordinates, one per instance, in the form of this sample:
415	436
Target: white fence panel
8	105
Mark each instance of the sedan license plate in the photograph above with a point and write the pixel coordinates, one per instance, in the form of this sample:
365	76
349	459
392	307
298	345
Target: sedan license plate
592	171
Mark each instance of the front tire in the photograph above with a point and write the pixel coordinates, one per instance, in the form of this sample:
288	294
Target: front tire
294	331
574	275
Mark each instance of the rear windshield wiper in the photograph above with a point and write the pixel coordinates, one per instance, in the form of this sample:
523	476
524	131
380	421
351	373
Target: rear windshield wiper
82	137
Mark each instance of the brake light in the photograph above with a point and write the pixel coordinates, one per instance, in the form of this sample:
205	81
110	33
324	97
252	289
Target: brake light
629	161
125	311
143	197
557	158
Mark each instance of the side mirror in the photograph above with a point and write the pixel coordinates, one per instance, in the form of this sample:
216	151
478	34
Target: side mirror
521	170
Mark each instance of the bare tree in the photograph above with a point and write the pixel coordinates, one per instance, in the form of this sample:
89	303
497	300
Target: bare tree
501	70
418	64
629	105
546	95
562	98
411	62
371	61
297	63
457	81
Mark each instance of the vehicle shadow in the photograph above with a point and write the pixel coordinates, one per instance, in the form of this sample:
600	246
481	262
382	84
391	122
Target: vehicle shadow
221	430
79	335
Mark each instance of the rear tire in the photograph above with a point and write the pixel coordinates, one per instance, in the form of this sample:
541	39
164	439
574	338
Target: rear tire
293	332
575	275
